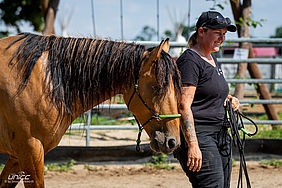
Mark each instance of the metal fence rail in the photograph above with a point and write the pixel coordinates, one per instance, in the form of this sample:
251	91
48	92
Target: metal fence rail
135	127
104	127
250	60
226	43
254	101
254	81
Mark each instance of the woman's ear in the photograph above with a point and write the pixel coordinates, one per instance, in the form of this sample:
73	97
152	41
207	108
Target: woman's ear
200	31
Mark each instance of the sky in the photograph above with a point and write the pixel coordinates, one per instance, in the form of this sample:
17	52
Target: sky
138	13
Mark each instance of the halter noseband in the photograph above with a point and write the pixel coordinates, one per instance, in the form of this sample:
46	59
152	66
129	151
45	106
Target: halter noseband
155	115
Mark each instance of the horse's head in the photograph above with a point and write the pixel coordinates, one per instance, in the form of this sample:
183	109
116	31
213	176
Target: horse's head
154	99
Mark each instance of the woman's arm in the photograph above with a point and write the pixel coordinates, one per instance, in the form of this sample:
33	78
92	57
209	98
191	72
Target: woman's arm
187	127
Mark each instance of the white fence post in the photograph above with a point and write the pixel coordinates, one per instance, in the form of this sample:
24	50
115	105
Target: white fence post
88	127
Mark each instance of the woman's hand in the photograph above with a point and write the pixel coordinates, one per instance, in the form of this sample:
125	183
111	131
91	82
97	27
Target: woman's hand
194	162
234	102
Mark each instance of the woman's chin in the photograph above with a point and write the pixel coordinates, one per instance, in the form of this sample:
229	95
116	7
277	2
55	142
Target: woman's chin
216	49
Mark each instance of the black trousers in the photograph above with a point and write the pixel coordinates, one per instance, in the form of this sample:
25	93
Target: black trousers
215	145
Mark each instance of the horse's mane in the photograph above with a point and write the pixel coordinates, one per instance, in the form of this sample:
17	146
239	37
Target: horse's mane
79	69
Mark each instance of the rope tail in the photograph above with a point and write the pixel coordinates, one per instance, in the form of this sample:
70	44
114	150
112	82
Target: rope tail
236	124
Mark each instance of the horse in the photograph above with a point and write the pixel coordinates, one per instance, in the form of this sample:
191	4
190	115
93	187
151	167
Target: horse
46	82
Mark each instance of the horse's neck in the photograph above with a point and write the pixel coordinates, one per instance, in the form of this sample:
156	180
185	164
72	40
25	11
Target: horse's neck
96	102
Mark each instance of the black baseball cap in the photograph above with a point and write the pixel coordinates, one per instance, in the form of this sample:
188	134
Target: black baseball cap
215	20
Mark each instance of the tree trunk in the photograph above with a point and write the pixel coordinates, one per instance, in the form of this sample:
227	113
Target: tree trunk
244	31
49	10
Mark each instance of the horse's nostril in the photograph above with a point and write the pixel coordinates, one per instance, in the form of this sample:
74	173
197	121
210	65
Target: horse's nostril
171	143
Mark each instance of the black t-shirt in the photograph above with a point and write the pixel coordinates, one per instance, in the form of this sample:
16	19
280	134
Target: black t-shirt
211	87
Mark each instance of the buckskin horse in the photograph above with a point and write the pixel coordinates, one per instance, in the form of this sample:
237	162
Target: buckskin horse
46	82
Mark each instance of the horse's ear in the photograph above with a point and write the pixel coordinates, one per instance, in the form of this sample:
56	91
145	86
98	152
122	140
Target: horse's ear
166	45
156	53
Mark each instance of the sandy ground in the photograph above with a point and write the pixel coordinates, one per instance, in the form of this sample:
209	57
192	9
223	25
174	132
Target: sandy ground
128	175
141	176
104	138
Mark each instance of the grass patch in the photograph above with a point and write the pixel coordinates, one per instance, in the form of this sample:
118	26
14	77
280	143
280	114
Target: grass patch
66	166
2	167
265	117
160	162
102	120
273	162
265	131
234	162
74	132
91	168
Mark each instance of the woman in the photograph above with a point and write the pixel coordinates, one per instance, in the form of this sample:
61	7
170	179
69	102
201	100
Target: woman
205	151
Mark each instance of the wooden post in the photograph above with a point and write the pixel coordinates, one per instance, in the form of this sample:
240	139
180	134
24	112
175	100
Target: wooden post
49	10
245	10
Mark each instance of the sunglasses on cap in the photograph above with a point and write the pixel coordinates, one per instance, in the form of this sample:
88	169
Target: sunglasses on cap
218	20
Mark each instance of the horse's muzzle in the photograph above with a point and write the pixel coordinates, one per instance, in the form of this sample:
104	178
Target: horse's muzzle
164	144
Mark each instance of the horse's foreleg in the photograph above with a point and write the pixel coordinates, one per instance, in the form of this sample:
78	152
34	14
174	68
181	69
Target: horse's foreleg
31	162
7	178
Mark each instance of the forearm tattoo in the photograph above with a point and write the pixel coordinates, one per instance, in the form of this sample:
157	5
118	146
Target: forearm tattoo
187	122
188	128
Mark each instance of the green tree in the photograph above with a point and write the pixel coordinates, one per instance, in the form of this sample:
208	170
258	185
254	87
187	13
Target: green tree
14	12
146	34
186	29
184	33
40	14
278	33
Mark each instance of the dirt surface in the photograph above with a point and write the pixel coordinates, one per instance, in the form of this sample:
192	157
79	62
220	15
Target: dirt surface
104	138
137	175
141	176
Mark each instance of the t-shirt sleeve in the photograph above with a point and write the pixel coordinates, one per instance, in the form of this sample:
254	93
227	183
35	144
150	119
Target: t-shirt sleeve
189	70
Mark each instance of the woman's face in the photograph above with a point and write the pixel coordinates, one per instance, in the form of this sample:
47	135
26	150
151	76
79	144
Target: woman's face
213	39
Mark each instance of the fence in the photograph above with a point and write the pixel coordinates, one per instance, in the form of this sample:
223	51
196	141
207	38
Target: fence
263	42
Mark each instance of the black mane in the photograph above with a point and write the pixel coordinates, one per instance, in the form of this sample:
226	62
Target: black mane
79	69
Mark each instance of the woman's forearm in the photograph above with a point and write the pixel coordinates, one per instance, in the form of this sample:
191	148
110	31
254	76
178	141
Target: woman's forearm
187	120
188	129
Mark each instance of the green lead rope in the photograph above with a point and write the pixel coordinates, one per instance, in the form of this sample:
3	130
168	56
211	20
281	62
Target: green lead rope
170	116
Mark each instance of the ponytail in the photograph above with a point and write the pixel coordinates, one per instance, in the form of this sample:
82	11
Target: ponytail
193	40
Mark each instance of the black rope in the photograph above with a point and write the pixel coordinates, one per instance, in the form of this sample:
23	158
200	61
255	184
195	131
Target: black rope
138	141
154	114
140	127
236	124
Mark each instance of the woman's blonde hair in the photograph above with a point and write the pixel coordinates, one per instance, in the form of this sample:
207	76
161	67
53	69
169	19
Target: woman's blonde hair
194	38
